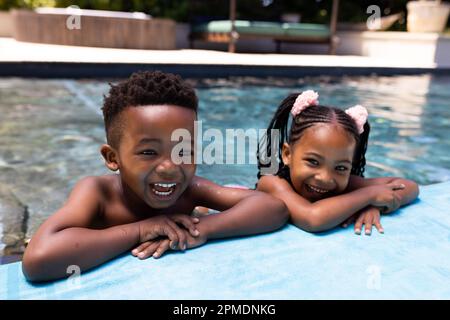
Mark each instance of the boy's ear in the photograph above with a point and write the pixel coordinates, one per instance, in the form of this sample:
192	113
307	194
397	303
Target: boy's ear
286	154
110	156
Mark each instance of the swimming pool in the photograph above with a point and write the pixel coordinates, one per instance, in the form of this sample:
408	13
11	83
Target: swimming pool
51	130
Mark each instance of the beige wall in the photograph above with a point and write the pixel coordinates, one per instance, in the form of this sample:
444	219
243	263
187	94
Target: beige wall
95	31
5	24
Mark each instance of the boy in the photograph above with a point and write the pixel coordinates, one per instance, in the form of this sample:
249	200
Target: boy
148	204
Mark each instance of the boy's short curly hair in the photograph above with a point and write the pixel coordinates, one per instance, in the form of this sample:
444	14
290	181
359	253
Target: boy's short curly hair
144	88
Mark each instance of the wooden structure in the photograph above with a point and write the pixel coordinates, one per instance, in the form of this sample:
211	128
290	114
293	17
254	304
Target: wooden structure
97	29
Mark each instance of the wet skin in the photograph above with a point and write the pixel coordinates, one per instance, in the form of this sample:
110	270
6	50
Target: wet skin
107	215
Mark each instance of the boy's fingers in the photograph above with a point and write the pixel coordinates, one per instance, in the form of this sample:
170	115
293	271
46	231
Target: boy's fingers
163	247
180	234
141	247
169	231
188	223
149	250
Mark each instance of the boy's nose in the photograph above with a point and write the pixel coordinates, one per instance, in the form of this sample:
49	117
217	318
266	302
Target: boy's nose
167	169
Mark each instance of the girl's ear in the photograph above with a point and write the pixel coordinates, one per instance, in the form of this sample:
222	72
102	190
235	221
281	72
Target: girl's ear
286	154
110	156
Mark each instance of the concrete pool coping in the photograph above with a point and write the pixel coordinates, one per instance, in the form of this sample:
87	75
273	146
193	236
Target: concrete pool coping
24	59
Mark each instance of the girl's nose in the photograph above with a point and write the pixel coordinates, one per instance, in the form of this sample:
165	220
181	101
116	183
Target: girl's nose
326	179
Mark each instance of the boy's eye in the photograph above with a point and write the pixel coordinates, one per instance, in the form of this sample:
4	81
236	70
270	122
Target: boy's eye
185	152
149	153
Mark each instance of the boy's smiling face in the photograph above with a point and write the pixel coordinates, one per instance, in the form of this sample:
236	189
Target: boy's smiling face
144	155
320	162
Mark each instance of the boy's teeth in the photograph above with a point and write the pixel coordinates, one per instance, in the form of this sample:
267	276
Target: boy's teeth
165	185
160	193
163	189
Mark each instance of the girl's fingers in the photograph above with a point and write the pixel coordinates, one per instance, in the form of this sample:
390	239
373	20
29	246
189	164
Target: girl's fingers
148	251
358	224
379	226
368	227
141	247
163	247
396	186
188	223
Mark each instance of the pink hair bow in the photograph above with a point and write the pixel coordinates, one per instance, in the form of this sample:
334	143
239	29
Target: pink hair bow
307	99
359	114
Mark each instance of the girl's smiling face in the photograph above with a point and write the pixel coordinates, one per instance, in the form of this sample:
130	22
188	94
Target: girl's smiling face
320	161
145	154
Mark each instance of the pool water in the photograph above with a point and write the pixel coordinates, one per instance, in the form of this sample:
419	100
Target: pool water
51	131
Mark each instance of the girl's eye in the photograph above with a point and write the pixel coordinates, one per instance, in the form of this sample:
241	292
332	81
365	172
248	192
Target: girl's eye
341	168
313	162
149	153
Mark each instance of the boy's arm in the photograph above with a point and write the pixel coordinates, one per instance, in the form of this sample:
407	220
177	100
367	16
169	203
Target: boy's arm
65	238
326	213
68	238
244	212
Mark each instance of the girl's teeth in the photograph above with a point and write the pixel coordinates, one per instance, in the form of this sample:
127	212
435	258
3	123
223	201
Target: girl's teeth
318	190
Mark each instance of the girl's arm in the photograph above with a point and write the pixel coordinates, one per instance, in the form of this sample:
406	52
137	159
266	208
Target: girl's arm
244	212
330	212
405	196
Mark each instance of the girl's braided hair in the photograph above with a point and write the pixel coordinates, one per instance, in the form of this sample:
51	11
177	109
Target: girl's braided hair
304	120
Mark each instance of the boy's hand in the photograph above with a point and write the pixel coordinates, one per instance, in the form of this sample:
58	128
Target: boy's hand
386	197
157	247
167	226
369	217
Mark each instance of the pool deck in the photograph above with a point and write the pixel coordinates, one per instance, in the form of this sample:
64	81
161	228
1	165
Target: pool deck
409	261
24	59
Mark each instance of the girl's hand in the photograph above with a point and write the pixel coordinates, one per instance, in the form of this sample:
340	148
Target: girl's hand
369	217
386	197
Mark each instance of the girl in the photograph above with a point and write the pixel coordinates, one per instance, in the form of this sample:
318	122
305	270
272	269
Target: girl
321	165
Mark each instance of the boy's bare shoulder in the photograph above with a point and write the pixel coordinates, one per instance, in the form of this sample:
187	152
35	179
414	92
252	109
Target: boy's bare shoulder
101	185
99	189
